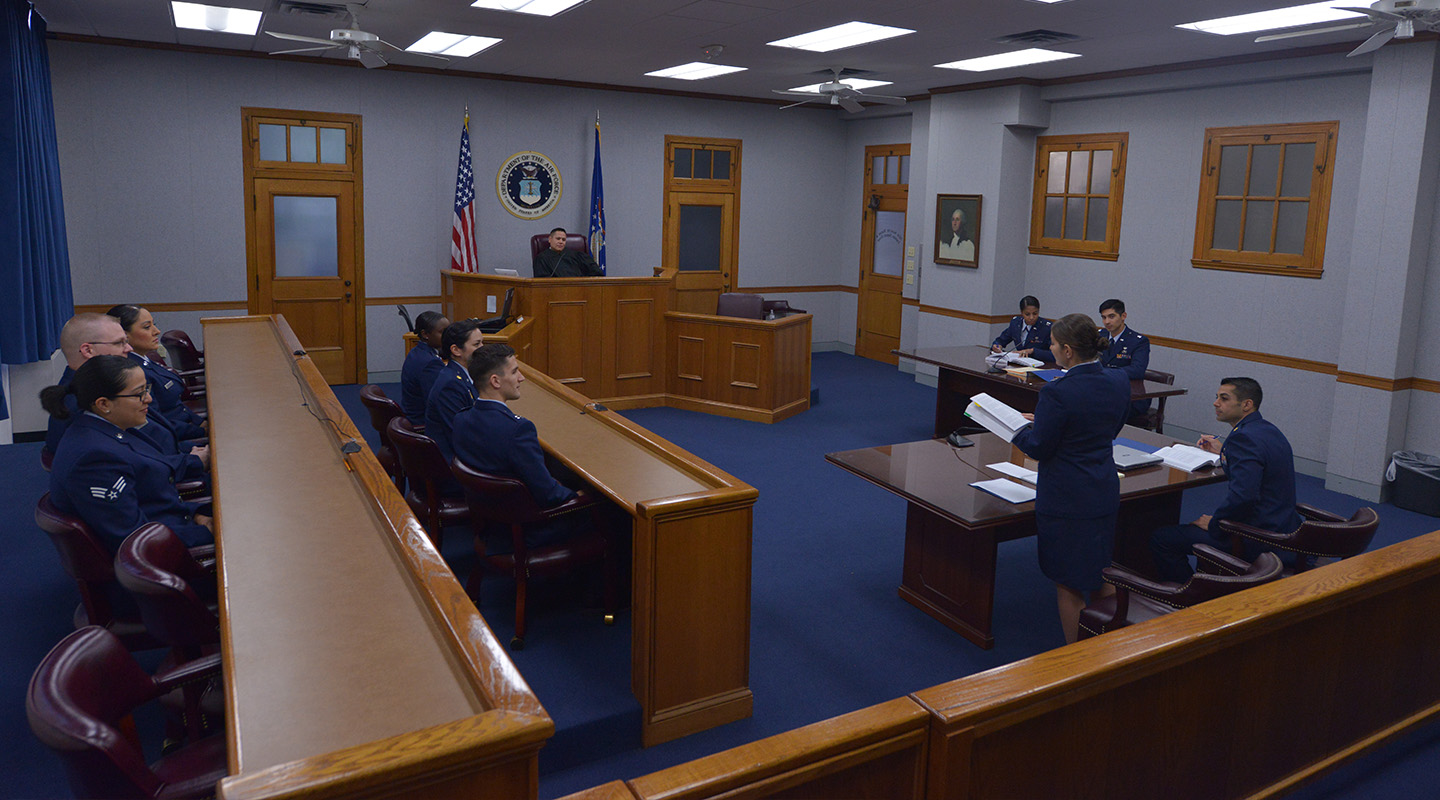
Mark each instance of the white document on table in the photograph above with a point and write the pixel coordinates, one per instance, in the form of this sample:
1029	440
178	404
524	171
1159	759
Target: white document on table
1030	476
1006	489
1185	457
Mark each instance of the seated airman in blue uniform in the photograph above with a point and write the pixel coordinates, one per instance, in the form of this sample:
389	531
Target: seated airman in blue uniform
166	387
1029	332
422	366
1260	473
453	391
1129	351
103	473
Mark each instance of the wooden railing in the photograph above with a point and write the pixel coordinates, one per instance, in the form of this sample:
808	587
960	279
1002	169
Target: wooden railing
1245	696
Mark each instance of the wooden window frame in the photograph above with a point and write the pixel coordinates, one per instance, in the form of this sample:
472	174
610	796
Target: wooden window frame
730	183
1310	263
1109	249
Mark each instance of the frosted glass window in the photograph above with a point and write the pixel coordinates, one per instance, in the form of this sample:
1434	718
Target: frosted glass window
1232	170
1074	217
1299	166
302	144
722	165
272	142
306	237
1100	172
892	169
1227	225
1054	213
699	238
889	242
877	169
1259	215
702	164
332	145
904	169
1290	231
1080	171
1264	170
1055	180
1095	222
683	162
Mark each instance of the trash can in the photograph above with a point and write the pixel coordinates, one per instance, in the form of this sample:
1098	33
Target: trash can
1414	482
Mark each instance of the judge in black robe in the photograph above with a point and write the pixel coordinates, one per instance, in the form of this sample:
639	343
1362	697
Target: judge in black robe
557	262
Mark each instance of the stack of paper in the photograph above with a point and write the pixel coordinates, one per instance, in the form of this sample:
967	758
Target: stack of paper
1183	456
1030	476
1006	490
995	416
1010	359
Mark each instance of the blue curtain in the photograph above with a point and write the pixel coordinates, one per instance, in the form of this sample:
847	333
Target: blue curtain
35	297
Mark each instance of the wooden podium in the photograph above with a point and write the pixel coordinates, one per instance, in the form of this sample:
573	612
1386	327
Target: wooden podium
618	341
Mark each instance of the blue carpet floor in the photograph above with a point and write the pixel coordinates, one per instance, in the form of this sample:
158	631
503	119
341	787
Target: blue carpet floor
828	632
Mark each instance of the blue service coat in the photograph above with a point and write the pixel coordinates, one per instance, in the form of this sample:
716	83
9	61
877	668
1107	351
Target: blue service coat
1077	417
116	482
166	393
1260	470
417	376
1038	338
1130	352
452	393
489	437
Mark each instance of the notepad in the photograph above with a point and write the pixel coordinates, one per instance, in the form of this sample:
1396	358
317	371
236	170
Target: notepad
1049	374
1006	489
1015	471
1183	456
995	416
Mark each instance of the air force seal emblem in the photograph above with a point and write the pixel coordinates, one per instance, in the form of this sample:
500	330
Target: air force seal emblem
528	185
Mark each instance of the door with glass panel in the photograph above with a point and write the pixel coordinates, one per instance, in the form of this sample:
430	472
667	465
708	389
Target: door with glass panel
702	205
306	265
304	230
882	251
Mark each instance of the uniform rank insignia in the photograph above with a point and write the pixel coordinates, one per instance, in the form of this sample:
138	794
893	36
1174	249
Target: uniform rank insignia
109	493
168	384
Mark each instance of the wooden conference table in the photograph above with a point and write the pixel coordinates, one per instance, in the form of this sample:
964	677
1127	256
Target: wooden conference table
964	373
952	529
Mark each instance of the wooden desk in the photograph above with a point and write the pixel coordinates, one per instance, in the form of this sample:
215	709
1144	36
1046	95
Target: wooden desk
952	529
691	527
964	373
354	663
755	369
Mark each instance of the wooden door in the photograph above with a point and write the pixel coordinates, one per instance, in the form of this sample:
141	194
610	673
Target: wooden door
305	232
699	243
702	209
882	251
305	267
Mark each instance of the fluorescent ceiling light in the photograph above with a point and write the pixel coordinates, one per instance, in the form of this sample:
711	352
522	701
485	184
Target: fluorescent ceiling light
1049	1
695	70
853	83
544	8
1017	58
1291	17
451	44
216	18
841	36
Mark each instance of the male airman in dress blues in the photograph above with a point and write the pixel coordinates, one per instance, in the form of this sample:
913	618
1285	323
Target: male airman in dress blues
1129	350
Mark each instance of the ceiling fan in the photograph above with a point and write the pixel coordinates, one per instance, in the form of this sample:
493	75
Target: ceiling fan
839	93
359	45
1401	18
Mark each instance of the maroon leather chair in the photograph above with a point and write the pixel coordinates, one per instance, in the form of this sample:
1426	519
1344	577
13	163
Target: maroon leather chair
540	242
382	409
739	304
187	357
176	593
79	702
427	475
1322	535
1137	599
507	501
1154	419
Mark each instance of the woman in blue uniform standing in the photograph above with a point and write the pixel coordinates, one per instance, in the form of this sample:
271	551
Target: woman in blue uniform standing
166	387
104	474
422	365
1077	495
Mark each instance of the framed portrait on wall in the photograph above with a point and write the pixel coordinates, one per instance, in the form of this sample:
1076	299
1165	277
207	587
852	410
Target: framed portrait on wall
957	229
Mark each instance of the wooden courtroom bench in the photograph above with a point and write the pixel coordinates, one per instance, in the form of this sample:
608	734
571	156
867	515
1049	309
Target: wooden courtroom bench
1249	695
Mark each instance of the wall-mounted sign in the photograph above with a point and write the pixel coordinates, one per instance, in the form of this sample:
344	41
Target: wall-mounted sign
528	185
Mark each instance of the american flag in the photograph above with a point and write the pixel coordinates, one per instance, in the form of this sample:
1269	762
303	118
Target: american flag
462	235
